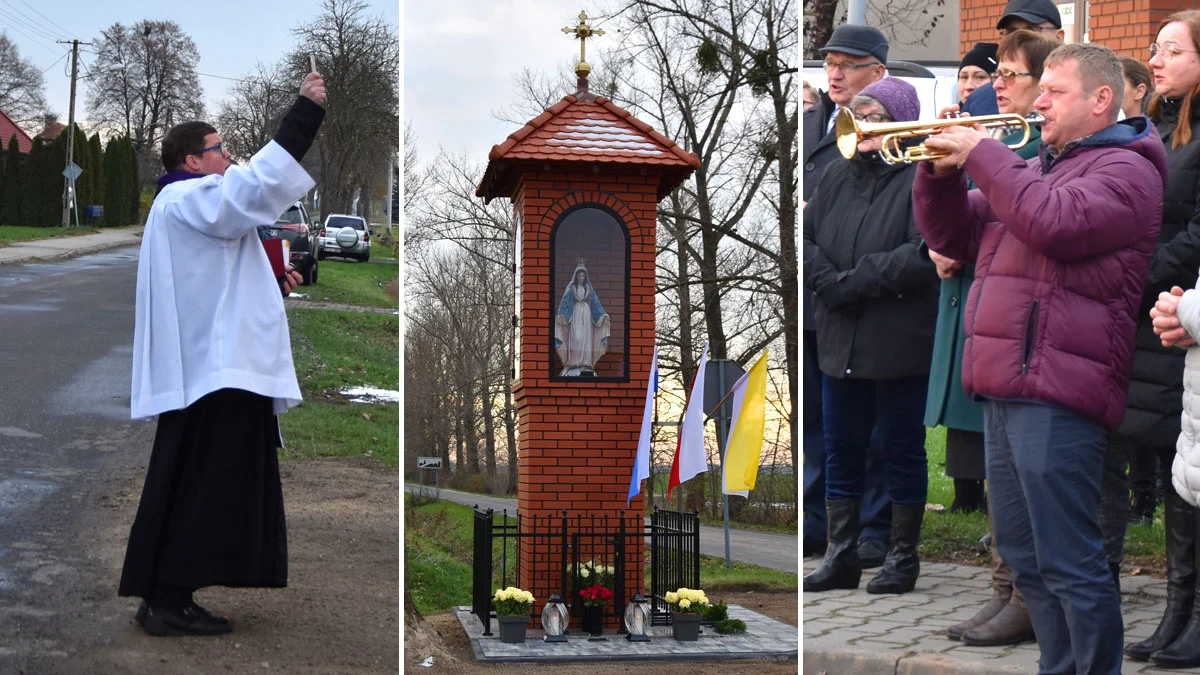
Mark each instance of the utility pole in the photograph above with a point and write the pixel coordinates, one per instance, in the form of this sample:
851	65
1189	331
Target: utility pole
68	181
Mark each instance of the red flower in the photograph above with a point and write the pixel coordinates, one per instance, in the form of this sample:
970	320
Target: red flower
596	595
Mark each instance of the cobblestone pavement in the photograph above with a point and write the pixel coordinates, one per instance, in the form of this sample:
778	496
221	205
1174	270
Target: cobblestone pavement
764	638
855	632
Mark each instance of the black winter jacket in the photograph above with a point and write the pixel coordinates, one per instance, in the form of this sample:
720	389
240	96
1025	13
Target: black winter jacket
876	290
819	150
1156	386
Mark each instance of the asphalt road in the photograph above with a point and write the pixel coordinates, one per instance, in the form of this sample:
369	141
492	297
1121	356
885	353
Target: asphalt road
66	441
765	549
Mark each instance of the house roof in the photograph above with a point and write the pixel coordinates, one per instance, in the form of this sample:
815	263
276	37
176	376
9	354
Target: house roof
586	129
8	129
52	131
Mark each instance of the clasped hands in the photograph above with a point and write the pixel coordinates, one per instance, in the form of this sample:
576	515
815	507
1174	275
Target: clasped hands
1166	322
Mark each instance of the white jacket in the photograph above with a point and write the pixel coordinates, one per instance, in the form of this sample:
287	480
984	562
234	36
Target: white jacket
209	312
1185	470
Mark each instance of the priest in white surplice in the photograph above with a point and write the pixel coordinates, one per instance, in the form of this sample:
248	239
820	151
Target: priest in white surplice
212	360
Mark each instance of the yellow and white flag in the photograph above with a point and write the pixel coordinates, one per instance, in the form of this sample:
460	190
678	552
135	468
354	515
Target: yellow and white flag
743	447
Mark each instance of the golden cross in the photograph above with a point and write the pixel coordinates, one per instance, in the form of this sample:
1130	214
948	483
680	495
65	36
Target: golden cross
582	32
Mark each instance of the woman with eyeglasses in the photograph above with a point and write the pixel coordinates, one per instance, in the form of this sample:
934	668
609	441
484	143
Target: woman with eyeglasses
1155	405
1003	620
876	301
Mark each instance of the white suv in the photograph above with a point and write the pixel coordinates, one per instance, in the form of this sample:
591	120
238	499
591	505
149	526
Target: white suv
345	237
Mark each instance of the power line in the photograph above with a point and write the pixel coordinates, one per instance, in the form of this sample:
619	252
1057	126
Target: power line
15	15
64	30
39	41
56	62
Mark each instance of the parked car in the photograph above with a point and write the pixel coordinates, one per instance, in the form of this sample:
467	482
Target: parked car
345	236
936	81
297	228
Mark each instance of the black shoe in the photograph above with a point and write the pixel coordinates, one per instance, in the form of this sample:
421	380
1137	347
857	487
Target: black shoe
190	620
840	568
902	566
1180	520
871	552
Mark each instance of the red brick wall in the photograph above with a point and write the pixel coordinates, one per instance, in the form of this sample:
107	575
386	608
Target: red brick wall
1125	26
578	439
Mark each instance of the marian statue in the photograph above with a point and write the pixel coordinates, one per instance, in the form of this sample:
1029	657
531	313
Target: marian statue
581	326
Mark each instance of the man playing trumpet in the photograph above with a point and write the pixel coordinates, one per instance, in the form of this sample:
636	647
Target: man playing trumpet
1061	245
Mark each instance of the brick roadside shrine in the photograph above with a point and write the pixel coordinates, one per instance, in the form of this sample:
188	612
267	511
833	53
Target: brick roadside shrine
584	179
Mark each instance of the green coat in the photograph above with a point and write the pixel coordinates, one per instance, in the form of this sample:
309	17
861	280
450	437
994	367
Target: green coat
947	404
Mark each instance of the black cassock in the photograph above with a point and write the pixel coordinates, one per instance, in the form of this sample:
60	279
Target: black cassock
211	512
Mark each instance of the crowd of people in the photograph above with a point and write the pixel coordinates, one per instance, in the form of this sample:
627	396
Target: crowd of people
1030	298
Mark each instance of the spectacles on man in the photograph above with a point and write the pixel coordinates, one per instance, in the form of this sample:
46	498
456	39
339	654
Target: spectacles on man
1169	50
873	118
1008	76
847	67
1037	29
216	147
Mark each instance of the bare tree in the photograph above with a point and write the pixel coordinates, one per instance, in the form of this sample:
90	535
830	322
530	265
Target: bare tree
904	22
144	81
250	116
22	88
359	57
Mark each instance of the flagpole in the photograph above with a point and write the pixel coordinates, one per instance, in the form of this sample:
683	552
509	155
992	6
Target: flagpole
721	433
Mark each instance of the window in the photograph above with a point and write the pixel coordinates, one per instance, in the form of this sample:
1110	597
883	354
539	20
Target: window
589	296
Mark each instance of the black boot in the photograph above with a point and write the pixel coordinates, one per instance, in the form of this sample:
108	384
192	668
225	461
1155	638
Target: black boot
968	496
901	568
840	567
1181	580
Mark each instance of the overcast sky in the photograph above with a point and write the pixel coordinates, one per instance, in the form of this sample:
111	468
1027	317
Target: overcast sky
461	58
231	35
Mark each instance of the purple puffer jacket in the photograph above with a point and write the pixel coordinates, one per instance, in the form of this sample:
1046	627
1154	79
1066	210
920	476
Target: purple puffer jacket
1061	250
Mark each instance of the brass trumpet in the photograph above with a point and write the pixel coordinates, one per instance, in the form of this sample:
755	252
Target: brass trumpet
851	132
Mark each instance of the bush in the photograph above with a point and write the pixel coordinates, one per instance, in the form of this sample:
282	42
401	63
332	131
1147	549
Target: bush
731	627
717	612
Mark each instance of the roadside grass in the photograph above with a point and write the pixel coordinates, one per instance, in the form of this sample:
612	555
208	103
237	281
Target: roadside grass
10	233
953	537
355	283
334	350
438	545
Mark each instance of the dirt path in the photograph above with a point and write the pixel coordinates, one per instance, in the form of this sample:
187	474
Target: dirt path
339	613
443	638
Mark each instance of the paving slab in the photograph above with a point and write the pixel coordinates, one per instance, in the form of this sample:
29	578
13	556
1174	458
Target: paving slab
856	632
764	638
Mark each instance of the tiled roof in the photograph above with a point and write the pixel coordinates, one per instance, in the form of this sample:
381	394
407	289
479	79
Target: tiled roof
8	129
590	129
53	131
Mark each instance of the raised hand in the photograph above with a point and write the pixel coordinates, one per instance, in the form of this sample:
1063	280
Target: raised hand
313	88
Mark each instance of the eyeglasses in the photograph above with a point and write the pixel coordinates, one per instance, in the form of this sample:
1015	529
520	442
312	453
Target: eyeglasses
847	67
1008	76
1169	50
216	147
1037	29
873	118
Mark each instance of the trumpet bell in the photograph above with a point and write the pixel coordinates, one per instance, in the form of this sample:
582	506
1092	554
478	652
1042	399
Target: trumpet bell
848	136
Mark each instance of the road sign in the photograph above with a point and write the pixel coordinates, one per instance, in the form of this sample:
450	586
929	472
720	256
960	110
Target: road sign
429	462
72	171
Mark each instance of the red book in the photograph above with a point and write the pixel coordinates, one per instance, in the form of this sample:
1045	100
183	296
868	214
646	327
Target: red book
279	254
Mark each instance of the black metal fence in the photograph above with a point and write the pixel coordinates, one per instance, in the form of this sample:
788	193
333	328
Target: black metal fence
559	547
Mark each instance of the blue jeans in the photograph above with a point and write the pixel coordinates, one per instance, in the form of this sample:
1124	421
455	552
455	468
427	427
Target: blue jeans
1044	467
897	408
876	513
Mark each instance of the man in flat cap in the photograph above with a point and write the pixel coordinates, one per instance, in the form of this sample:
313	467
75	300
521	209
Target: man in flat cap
1036	15
855	56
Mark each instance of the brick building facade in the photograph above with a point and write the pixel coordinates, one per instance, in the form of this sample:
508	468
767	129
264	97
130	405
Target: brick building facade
1125	26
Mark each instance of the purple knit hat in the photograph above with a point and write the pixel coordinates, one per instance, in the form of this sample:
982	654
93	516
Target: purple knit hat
897	97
